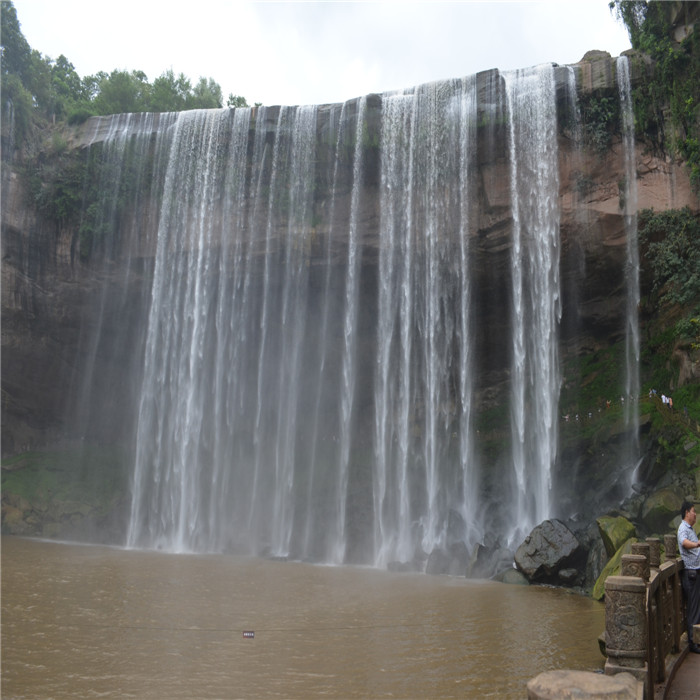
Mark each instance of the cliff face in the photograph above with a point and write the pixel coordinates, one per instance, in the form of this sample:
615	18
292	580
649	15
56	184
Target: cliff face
76	318
49	293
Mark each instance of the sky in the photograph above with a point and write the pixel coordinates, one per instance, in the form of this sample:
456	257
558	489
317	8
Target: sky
316	52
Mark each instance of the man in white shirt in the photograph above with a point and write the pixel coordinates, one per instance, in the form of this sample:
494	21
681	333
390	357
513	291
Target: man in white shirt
689	547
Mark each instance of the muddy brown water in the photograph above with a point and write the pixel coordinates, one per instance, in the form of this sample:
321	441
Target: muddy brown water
98	622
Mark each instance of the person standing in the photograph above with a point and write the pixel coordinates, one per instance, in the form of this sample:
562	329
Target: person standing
689	547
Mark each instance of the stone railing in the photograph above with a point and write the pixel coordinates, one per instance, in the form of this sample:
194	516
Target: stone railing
644	622
644	614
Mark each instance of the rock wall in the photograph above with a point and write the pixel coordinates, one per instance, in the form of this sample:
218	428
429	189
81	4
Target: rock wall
48	291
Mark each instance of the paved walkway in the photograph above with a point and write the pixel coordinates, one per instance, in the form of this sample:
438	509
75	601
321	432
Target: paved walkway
686	683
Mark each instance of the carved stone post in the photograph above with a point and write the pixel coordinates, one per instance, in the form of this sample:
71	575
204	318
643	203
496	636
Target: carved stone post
625	626
635	565
654	552
671	547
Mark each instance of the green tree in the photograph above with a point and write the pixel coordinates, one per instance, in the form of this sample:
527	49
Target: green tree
91	85
16	52
236	101
206	94
169	94
67	87
36	87
121	92
17	102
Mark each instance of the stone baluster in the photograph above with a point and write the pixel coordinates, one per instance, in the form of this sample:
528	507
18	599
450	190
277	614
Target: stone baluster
625	624
627	631
654	552
635	565
670	547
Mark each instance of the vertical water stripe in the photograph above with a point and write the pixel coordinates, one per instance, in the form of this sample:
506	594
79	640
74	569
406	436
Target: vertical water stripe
261	515
225	415
427	135
632	342
294	304
536	310
422	391
168	511
349	345
394	333
314	495
468	472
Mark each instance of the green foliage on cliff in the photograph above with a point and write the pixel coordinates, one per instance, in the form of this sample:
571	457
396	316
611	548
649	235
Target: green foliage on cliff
670	310
50	493
70	186
672	90
600	116
670	242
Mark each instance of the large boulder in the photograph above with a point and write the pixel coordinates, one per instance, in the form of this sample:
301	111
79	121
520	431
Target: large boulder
615	531
660	508
550	548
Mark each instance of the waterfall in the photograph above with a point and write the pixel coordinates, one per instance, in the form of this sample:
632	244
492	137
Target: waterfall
349	344
286	393
311	378
311	545
536	297
173	493
424	466
629	205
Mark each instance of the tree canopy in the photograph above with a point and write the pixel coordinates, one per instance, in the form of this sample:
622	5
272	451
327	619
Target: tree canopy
37	85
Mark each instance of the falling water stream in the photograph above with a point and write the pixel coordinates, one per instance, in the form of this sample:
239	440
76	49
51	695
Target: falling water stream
629	205
536	295
212	433
424	329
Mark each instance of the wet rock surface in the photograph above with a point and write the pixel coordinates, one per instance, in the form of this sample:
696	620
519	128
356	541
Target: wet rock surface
548	553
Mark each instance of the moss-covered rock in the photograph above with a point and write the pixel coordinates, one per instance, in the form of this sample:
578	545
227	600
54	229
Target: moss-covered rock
63	493
660	508
612	568
614	531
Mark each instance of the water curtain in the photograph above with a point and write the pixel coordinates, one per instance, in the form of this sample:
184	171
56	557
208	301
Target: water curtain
308	353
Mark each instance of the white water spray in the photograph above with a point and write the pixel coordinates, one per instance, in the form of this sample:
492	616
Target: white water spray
536	296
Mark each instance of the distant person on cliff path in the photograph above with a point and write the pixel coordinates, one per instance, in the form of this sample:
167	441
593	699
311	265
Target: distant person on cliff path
689	547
